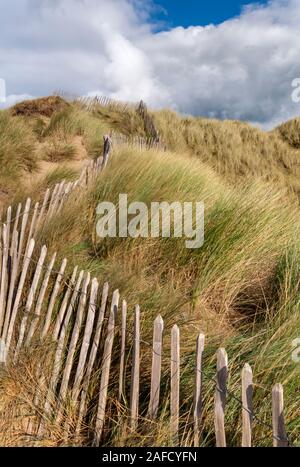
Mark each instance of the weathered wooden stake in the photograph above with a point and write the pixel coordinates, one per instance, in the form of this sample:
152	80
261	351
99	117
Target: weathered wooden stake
156	367
4	277
123	346
32	226
175	383
220	397
63	307
23	227
279	433
13	278
106	150
247	410
42	211
135	372
53	298
198	389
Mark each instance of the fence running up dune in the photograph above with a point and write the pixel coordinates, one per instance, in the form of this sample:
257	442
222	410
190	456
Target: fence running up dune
40	303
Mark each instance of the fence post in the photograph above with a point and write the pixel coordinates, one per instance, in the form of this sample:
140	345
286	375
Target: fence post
106	150
32	226
198	389
279	432
42	211
13	278
175	382
16	222
8	224
54	294
4	274
220	397
123	346
135	373
247	409
63	307
156	367
23	227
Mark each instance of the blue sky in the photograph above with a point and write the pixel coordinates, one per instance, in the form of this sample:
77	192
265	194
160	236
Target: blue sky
198	12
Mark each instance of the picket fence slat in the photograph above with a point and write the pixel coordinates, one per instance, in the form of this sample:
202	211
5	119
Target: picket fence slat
13	278
123	350
247	408
135	372
4	271
175	382
23	228
156	367
279	431
16	222
198	389
220	397
64	304
32	226
55	292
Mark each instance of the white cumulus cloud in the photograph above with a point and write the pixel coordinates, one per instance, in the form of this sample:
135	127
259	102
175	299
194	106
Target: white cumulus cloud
242	68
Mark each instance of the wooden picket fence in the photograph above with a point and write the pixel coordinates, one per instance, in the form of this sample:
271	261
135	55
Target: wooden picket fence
17	231
70	312
153	139
92	103
138	142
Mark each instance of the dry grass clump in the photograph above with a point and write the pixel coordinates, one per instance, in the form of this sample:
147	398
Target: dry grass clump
17	150
290	132
56	150
44	106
